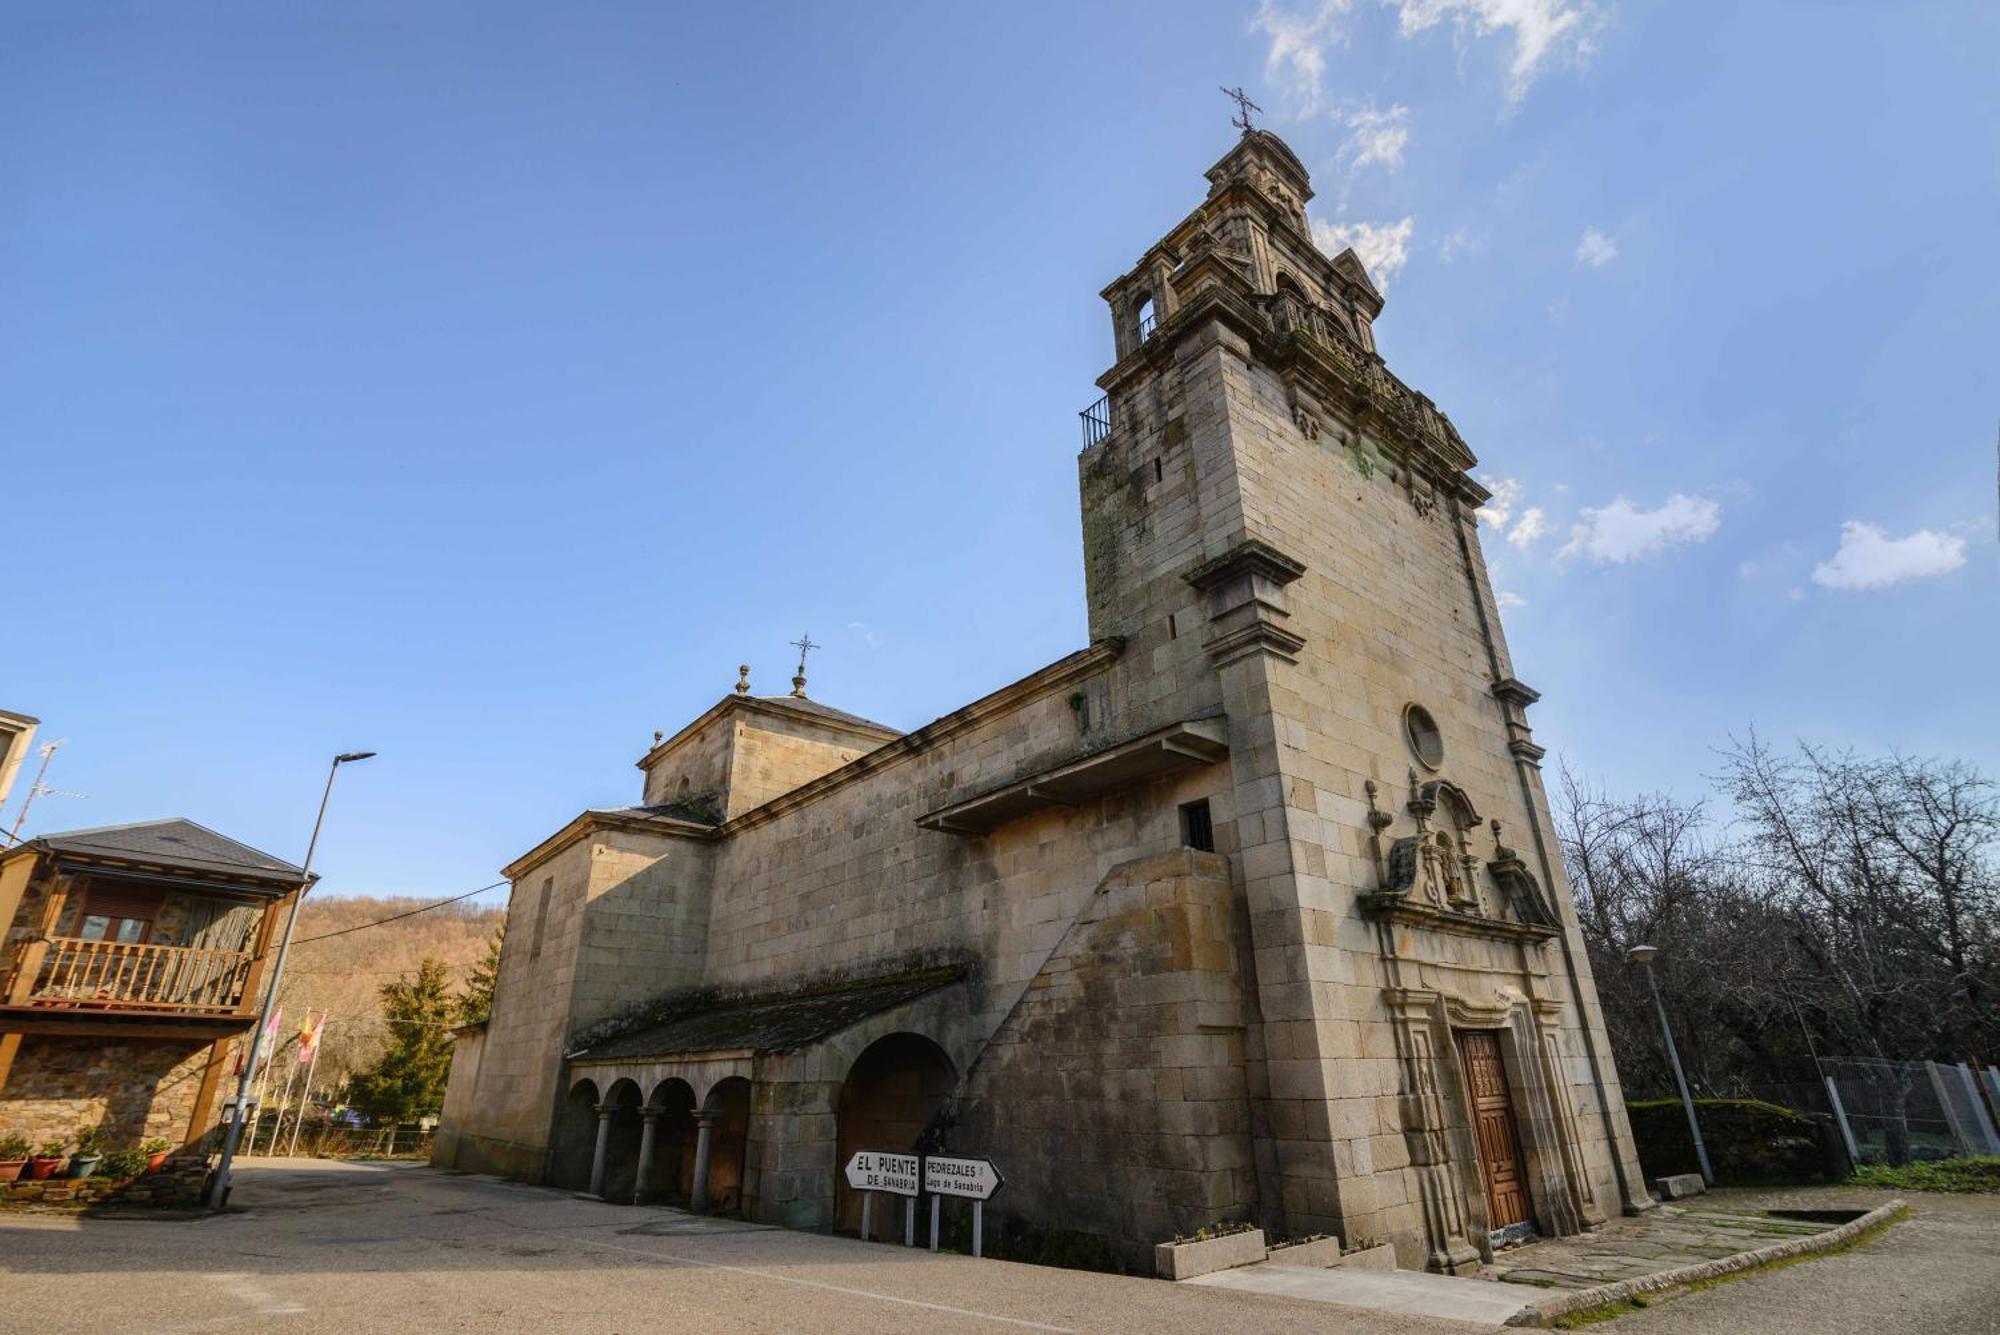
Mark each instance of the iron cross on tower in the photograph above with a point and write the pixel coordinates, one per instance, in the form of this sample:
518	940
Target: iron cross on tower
1244	106
803	644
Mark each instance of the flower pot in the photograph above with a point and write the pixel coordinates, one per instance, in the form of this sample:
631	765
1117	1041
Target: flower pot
154	1161
11	1169
83	1165
43	1166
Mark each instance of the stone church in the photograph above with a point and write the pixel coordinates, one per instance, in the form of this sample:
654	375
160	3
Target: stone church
1249	910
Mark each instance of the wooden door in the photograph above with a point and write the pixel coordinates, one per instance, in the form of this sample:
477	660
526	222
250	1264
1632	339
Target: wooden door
1493	1128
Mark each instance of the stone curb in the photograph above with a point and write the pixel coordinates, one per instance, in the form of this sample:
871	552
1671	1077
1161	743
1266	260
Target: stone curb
1543	1312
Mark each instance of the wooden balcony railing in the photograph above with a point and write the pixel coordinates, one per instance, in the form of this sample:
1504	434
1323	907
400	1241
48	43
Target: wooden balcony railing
71	973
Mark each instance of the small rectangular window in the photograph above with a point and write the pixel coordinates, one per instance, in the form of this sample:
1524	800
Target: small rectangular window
541	917
1197	829
1173	629
1159	471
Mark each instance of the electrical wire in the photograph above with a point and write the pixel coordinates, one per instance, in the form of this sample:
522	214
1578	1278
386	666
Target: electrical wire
397	917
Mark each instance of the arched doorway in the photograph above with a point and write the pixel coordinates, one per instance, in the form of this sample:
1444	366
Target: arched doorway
672	1177
729	1138
575	1138
890	1101
621	1149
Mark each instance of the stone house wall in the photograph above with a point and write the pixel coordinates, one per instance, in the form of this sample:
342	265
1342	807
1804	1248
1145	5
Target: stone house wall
138	1090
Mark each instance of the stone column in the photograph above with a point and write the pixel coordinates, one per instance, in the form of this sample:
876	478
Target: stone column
604	1112
704	1135
649	1128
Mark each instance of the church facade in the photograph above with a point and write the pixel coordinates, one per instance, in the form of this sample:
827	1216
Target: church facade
1249	910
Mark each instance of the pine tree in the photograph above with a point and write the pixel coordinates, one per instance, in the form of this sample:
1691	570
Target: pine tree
475	1004
408	1082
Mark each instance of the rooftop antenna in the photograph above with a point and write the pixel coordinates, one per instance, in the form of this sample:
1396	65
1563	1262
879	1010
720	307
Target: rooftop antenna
802	644
1244	106
37	788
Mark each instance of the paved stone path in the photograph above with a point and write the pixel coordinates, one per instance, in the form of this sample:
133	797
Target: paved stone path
1665	1238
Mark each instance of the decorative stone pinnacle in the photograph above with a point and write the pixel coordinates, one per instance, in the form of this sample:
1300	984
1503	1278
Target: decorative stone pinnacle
743	679
658	736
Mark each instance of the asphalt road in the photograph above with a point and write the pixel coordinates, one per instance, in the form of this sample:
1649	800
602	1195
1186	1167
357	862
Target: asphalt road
314	1245
318	1246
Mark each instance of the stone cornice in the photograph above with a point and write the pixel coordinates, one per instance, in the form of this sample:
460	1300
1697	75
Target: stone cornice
595	822
769	707
1055	677
1514	691
1395	908
1251	556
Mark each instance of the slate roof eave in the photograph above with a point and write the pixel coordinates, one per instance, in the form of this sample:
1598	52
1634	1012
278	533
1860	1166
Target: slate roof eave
772	1022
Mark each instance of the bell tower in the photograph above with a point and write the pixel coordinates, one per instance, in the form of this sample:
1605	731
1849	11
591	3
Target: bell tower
1284	533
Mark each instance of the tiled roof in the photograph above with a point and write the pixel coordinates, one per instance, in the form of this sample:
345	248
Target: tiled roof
779	1022
169	843
805	706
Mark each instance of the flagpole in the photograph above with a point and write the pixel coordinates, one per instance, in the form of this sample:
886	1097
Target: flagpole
270	1047
305	1099
284	1102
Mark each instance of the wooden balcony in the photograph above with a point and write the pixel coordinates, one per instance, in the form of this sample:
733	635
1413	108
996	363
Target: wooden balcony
66	973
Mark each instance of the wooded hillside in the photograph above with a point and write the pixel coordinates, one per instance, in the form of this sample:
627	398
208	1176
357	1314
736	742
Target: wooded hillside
343	975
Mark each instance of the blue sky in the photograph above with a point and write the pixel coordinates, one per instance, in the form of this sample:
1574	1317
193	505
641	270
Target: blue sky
479	384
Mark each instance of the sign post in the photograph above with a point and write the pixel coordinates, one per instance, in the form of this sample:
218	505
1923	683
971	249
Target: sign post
870	1171
975	1180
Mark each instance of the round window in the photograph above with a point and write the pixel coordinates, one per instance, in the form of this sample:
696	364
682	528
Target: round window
1425	739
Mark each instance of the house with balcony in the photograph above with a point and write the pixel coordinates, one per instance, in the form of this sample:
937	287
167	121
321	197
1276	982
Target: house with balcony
132	965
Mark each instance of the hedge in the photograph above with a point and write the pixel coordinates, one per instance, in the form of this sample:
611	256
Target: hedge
1750	1142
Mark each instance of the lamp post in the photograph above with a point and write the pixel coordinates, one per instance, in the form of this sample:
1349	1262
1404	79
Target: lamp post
218	1191
1643	957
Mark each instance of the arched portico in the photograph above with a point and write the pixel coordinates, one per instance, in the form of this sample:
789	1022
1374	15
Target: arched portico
722	1142
614	1170
667	1145
890	1101
575	1140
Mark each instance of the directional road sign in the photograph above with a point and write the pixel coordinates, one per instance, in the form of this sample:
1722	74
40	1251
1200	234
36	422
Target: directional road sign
972	1179
898	1174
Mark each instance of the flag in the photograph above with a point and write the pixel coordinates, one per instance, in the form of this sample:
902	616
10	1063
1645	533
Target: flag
309	1038
269	1047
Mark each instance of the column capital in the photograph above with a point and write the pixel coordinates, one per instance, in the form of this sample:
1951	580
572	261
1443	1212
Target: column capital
652	1112
604	1110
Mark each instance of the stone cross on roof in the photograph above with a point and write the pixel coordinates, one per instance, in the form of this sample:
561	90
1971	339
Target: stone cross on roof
804	643
1244	106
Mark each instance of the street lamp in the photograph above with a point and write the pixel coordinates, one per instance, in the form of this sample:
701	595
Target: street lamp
218	1192
1643	956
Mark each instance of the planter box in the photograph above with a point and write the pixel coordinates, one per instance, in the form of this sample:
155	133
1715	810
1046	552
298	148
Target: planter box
1317	1253
1185	1260
1382	1256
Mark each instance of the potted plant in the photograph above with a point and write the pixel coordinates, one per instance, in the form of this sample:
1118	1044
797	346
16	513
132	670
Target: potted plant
45	1161
156	1151
89	1151
13	1157
120	1165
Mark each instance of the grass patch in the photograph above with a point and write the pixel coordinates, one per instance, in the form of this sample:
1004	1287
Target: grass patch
1980	1174
1590	1316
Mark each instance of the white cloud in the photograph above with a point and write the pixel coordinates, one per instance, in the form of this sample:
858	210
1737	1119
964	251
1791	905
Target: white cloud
1870	559
1596	249
1296	58
1499	507
1459	242
1377	136
1541	30
1507	600
1532	526
1383	248
1621	531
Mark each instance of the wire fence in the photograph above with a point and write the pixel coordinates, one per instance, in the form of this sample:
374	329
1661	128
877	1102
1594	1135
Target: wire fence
1899	1112
277	1133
